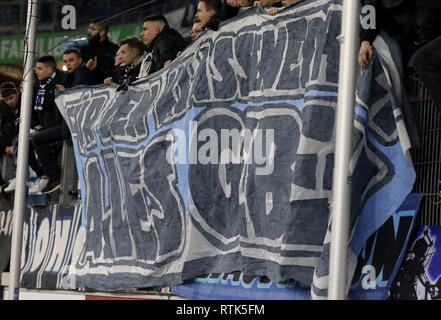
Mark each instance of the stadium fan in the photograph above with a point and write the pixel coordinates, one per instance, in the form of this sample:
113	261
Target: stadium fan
209	13
10	126
131	51
48	77
163	44
397	18
77	74
100	51
119	71
196	30
118	58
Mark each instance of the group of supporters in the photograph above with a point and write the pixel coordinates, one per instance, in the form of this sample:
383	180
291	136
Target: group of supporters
416	25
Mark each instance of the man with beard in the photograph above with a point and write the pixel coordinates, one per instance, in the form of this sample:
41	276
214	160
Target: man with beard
100	52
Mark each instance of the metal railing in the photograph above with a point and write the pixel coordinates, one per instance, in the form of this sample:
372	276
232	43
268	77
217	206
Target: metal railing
427	159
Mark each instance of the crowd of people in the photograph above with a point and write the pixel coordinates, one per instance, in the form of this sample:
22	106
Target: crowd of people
416	25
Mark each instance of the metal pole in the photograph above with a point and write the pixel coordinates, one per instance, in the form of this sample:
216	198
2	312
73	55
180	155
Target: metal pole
341	205
23	150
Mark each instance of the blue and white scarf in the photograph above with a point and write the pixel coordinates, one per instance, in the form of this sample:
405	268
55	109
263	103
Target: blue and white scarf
39	101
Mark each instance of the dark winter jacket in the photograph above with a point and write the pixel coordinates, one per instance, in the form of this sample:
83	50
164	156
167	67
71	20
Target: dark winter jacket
119	73
50	116
428	20
81	77
396	17
126	74
414	20
105	52
227	12
9	125
166	46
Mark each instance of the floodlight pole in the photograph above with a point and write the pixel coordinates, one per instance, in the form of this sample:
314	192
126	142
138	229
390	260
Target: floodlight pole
23	150
341	204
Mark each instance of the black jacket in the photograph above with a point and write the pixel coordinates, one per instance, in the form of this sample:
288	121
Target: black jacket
105	52
118	74
414	20
9	125
428	3
396	17
50	116
166	46
227	12
428	20
126	74
81	77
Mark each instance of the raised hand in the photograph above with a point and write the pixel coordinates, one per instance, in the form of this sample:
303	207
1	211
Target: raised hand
92	64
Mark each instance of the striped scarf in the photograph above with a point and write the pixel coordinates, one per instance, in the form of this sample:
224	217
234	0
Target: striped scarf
39	101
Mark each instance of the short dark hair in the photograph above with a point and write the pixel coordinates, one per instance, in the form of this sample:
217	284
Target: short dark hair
215	5
73	50
101	24
157	18
7	89
133	43
49	61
